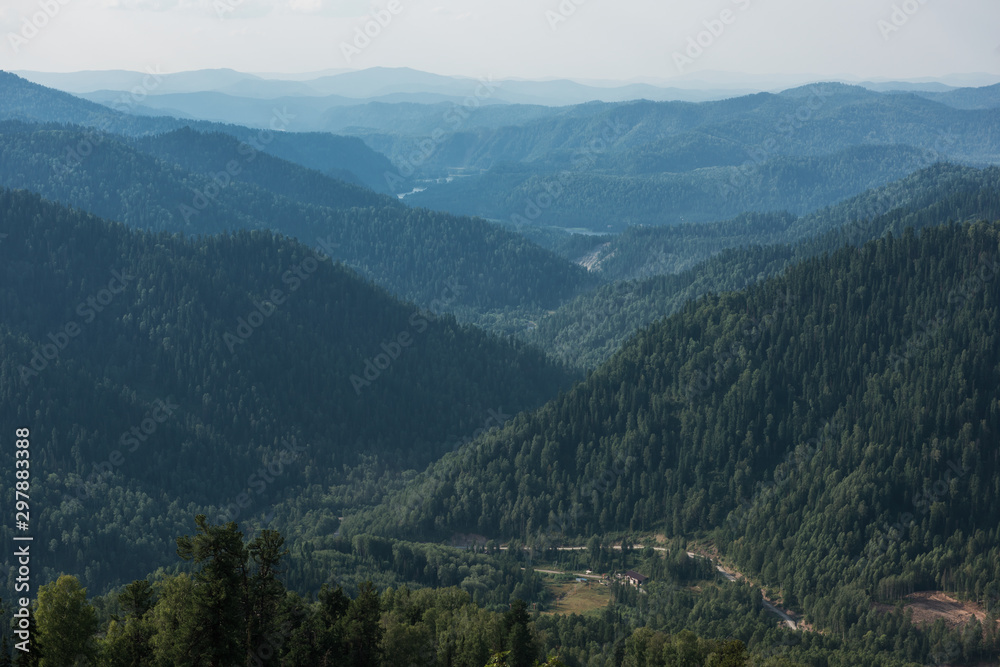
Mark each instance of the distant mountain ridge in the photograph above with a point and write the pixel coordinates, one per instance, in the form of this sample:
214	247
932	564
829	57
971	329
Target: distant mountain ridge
234	187
371	83
382	81
346	157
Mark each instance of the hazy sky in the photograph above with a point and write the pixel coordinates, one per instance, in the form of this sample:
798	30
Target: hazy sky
596	39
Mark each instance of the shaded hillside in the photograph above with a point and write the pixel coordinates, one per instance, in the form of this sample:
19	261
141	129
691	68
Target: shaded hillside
346	158
592	327
223	156
160	376
609	202
833	428
410	252
670	163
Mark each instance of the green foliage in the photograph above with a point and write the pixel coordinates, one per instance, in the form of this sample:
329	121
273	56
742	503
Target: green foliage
237	412
66	623
588	330
5	659
362	629
219	608
831	427
416	254
33	656
222	155
700	622
129	641
490	582
646	648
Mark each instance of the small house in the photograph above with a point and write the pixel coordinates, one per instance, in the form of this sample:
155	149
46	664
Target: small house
635	578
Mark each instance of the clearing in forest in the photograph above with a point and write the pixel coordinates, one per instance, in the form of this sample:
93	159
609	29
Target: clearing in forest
577	597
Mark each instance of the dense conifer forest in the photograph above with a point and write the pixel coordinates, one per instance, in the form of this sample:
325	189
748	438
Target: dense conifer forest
707	384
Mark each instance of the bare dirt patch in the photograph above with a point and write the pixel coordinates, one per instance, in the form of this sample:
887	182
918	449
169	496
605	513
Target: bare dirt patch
592	261
929	606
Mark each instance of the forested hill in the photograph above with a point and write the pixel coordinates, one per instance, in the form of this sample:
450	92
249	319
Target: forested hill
834	429
23	100
987	97
641	252
588	330
410	252
674	163
608	201
222	155
346	158
236	346
655	250
643	137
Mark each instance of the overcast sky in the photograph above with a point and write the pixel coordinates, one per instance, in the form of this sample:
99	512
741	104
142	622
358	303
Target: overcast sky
598	39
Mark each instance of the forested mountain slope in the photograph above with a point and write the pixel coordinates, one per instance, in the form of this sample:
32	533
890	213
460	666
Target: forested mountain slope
645	251
818	119
592	327
410	252
606	201
346	158
604	167
223	155
159	377
833	428
987	97
653	250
